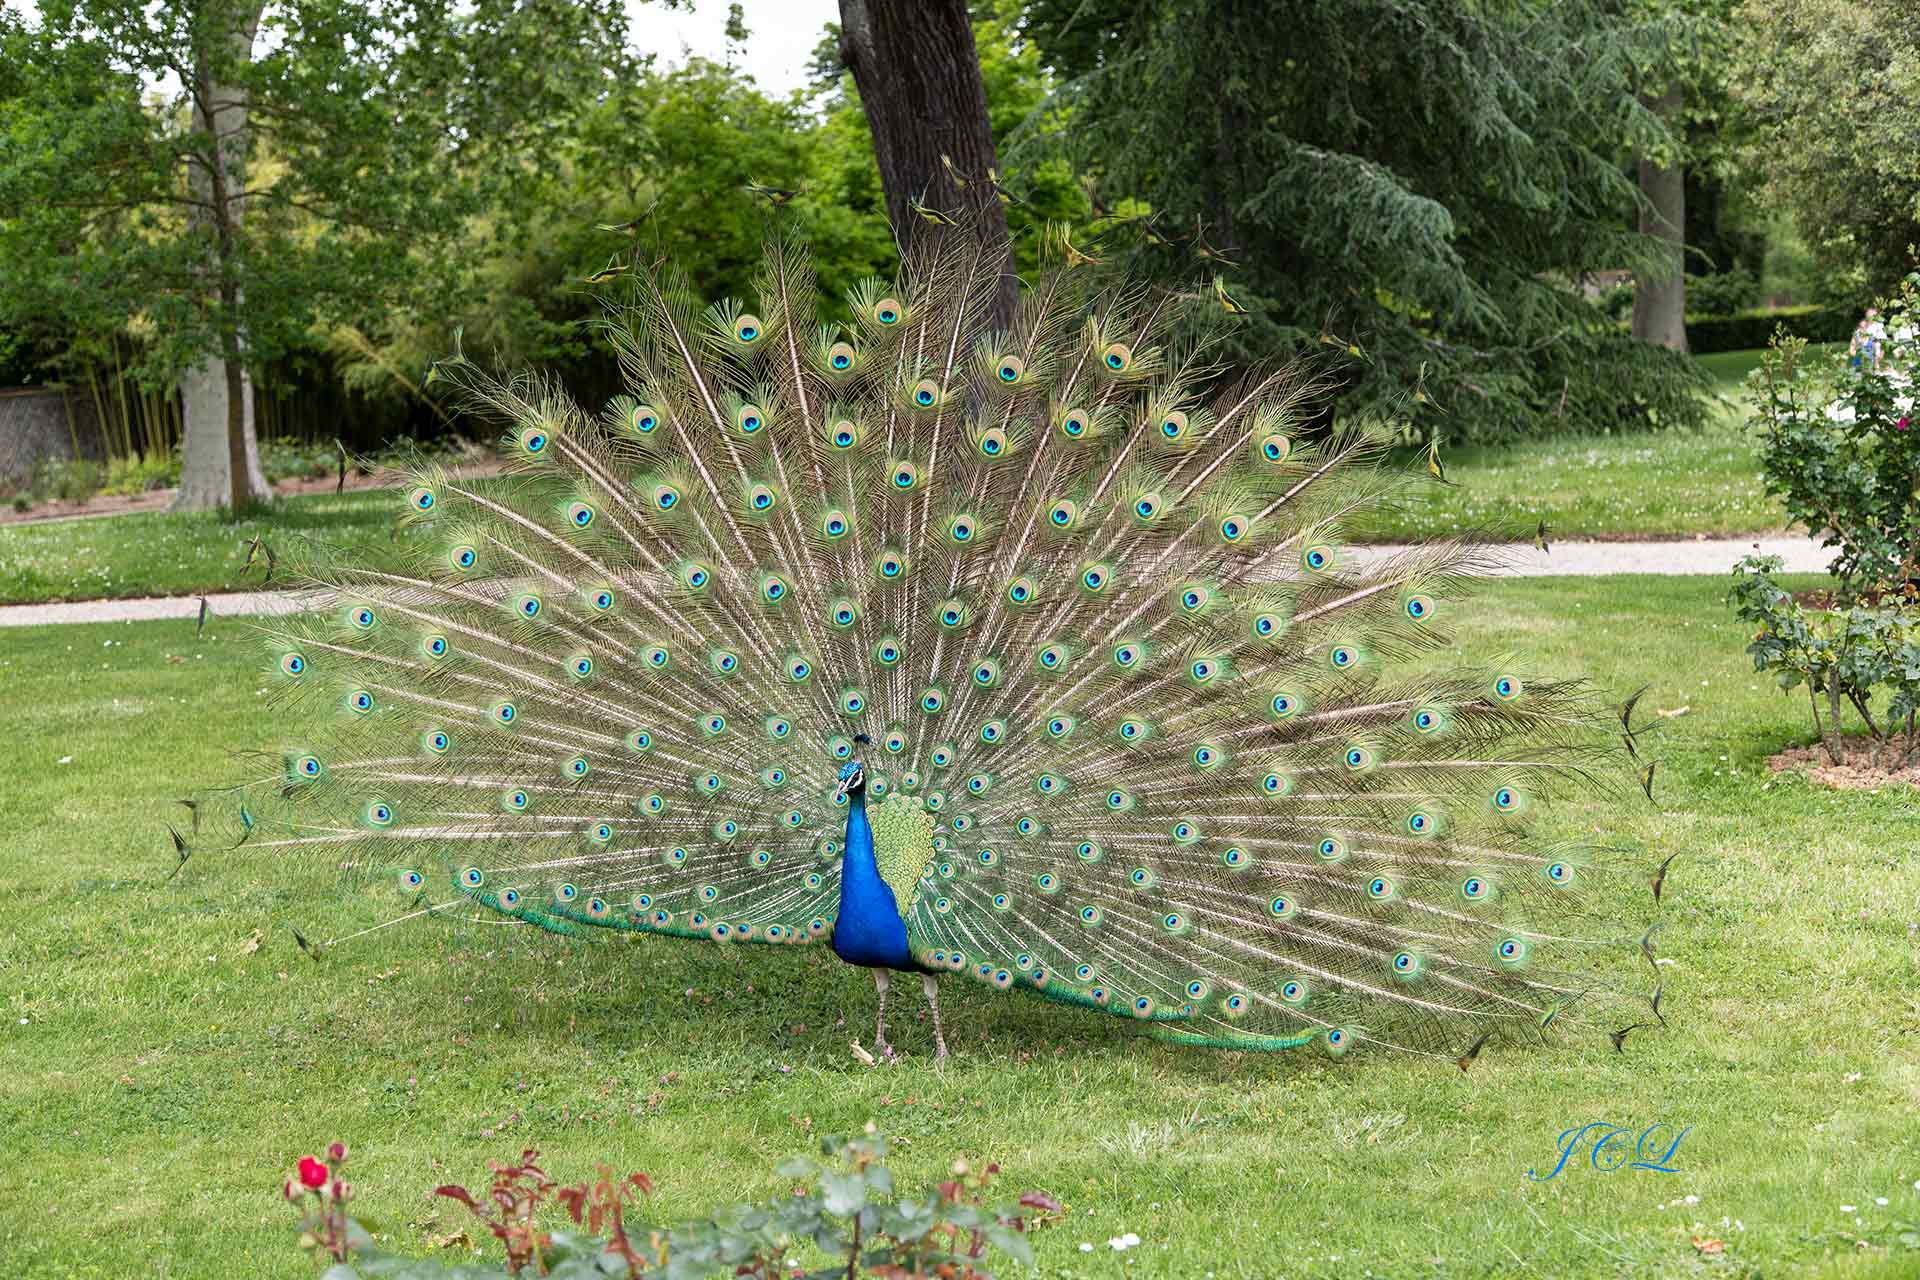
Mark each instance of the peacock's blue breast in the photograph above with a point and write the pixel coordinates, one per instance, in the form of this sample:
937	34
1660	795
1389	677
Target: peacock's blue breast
868	929
876	938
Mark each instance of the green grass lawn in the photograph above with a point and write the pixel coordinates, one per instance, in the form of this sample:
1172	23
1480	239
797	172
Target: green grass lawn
151	553
1650	483
1636	484
160	1076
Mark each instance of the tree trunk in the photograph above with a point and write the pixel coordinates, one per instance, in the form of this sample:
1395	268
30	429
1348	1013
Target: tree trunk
1660	299
919	78
206	455
219	455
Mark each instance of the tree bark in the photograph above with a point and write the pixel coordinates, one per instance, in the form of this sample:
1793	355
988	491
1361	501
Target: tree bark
918	74
206	453
1660	299
219	455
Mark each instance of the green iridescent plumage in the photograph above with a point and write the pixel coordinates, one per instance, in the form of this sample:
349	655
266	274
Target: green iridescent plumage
1142	735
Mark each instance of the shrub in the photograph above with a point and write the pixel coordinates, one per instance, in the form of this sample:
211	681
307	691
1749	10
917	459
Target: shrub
1845	654
320	459
134	474
844	1209
1726	293
1616	302
1746	330
298	459
72	480
1842	449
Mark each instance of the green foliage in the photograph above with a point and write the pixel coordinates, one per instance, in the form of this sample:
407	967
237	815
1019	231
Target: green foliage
1709	333
1723	293
69	480
1831	86
671	151
130	475
1843	450
1616	302
1425	177
842	1208
373	132
664	156
1844	456
78	479
1849	654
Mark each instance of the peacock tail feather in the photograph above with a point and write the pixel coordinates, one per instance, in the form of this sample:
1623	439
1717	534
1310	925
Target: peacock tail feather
1142	735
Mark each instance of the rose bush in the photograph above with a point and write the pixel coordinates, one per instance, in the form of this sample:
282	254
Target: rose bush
1841	451
842	1206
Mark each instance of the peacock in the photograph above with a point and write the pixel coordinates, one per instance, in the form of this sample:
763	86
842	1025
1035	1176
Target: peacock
1029	652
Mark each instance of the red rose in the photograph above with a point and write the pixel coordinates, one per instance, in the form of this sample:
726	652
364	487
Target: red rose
312	1173
337	1152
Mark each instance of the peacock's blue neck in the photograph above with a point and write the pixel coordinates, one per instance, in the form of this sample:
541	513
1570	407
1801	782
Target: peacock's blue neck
868	929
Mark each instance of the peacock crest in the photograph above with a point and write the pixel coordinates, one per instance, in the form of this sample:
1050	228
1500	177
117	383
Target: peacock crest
1069	625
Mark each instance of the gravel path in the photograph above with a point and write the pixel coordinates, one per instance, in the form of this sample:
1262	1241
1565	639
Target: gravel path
1579	559
1689	556
226	604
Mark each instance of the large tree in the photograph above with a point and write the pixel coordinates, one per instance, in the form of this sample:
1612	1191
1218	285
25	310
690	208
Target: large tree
302	162
1660	293
919	78
1424	177
1833	85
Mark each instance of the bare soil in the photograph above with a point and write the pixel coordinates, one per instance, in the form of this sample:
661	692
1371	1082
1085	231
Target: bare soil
1855	772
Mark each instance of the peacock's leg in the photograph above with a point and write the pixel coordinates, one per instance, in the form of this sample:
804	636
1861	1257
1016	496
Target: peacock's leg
931	985
880	1045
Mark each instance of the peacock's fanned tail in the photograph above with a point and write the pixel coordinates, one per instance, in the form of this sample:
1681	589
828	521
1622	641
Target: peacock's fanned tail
1189	759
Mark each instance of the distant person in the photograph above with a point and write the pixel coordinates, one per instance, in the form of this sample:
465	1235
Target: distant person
1869	340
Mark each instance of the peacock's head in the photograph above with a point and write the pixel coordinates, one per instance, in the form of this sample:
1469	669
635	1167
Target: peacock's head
853	780
853	774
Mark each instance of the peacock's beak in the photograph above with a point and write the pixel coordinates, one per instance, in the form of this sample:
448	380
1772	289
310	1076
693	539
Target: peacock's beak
840	792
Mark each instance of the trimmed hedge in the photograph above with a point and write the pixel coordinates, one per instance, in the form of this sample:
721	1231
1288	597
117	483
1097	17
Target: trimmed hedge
1746	330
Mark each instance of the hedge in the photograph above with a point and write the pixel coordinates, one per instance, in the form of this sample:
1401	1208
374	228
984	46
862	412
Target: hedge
1745	330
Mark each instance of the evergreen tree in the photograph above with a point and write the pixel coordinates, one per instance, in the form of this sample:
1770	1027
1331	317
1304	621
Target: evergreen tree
1427	180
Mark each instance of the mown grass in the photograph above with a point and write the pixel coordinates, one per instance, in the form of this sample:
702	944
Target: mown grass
1641	484
160	1076
152	553
1635	484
